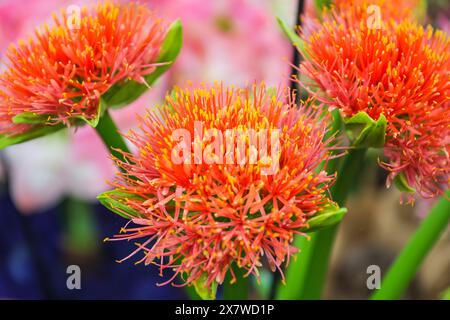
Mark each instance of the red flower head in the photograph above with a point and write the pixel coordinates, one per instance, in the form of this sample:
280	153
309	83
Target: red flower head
60	74
400	70
202	195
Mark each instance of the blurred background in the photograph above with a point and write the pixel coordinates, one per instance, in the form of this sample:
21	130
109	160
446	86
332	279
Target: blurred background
49	217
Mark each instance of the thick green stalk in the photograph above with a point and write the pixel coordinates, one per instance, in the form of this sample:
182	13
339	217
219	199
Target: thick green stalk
348	175
108	132
408	262
306	276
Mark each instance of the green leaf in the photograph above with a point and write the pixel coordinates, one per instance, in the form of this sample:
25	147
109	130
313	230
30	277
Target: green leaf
116	201
292	36
328	217
34	132
122	95
402	184
403	270
365	132
31	118
203	290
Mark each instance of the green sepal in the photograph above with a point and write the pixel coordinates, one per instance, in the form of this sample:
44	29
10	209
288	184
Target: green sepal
44	119
116	201
365	132
33	133
325	218
31	118
100	111
402	184
203	290
292	36
122	95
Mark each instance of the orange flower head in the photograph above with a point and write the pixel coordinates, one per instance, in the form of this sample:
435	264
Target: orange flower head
374	12
62	71
223	176
400	70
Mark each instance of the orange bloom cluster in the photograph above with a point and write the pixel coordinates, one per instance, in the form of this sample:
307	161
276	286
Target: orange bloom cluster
63	70
198	218
402	71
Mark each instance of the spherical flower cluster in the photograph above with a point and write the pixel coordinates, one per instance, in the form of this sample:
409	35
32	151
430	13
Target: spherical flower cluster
200	215
61	72
400	70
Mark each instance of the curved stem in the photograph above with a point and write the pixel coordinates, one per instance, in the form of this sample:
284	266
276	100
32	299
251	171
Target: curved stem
109	133
408	262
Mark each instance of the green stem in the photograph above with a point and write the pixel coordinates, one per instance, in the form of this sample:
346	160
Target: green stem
348	175
108	132
237	290
306	276
408	262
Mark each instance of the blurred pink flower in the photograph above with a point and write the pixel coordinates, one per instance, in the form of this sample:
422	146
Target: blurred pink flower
42	171
18	18
235	41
